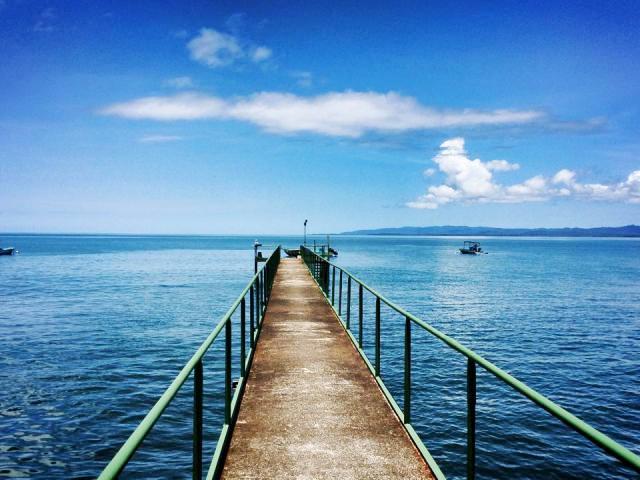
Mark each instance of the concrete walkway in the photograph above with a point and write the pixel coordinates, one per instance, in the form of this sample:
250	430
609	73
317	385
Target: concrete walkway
311	408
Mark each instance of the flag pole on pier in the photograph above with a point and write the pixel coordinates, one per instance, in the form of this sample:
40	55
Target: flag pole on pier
305	232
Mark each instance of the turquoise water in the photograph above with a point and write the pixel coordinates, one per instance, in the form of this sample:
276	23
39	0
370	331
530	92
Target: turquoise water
93	329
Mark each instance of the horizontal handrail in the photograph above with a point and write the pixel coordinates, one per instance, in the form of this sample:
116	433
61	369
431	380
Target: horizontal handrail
321	275
265	275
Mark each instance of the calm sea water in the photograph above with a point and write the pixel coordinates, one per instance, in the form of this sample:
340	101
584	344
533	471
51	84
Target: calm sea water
93	329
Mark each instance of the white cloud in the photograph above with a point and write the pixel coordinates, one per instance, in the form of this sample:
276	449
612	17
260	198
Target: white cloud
502	166
159	138
184	106
214	49
260	54
218	49
344	114
564	176
180	82
469	180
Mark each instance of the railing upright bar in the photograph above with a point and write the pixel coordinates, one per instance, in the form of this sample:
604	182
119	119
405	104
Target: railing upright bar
227	373
377	365
326	278
259	298
407	370
243	327
265	274
252	323
196	464
263	295
471	419
340	296
333	287
348	302
360	315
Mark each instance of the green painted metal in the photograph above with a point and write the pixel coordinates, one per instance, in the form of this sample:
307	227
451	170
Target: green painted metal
333	287
407	370
378	344
360	316
198	383
227	373
252	322
340	296
596	437
243	340
348	302
471	419
195	366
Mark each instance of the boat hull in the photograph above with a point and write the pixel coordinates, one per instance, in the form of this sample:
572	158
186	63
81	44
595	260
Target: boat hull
6	251
466	251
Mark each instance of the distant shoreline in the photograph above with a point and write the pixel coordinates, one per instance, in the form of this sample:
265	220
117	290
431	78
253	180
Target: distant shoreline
627	231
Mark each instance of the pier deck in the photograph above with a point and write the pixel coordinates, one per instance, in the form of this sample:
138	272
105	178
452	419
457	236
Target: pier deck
311	408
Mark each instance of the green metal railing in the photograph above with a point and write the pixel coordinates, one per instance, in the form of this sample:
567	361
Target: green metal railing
258	292
324	273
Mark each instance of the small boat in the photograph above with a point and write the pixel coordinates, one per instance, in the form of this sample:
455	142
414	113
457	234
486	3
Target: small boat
292	252
7	251
471	248
333	252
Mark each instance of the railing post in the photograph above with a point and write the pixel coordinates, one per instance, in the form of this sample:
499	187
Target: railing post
377	337
471	419
259	298
227	373
333	287
243	353
340	296
326	278
252	323
263	295
265	281
348	302
258	302
197	422
360	315
407	370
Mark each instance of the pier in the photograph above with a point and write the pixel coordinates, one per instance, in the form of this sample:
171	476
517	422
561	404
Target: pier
309	402
311	408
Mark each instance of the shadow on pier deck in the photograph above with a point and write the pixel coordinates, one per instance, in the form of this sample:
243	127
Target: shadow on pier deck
311	408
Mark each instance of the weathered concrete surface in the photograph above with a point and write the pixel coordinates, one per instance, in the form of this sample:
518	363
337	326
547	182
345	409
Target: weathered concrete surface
311	408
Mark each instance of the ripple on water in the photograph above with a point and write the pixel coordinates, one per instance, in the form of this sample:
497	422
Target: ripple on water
92	330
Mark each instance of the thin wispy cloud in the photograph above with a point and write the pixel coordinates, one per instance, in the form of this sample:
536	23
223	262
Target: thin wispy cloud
261	54
179	82
216	49
159	138
180	34
303	79
472	181
340	114
45	22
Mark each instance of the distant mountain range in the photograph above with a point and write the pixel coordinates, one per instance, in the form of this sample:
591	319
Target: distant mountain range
626	231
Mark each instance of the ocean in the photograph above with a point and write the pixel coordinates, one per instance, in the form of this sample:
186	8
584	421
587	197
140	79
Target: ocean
94	328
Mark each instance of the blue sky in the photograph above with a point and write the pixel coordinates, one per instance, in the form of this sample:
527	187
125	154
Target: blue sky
247	117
